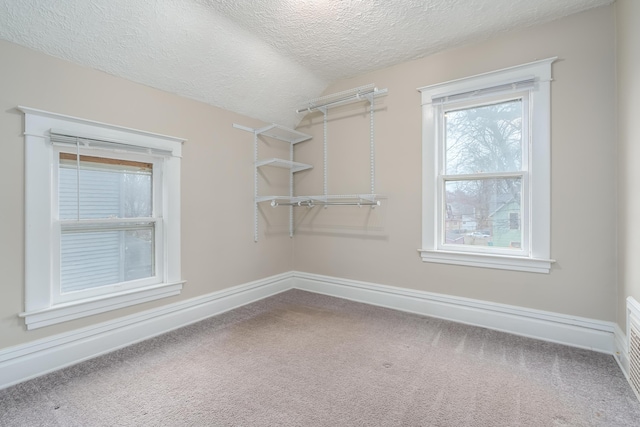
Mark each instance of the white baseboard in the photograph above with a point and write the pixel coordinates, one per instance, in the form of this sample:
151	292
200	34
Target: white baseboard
548	326
36	358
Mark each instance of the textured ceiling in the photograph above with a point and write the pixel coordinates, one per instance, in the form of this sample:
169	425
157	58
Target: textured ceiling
260	58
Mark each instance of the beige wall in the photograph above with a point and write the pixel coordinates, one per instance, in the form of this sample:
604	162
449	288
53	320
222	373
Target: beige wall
628	90
380	246
217	179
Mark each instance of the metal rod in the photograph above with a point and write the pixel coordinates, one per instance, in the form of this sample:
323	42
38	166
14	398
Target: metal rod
349	203
324	148
311	203
372	148
308	203
255	186
356	97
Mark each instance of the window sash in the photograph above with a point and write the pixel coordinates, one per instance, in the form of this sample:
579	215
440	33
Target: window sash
70	160
106	224
130	162
489	97
441	218
103	187
443	111
95	261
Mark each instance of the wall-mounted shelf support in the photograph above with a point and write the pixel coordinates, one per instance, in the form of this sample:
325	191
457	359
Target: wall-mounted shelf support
359	94
280	133
323	104
285	164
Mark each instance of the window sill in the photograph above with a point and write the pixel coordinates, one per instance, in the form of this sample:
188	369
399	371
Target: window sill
83	308
501	262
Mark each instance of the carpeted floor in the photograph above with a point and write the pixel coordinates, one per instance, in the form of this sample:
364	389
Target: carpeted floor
301	359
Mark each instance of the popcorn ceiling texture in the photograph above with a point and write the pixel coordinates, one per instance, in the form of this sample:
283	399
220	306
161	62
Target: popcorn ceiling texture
261	58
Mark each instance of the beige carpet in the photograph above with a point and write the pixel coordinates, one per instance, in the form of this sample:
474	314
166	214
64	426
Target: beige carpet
301	359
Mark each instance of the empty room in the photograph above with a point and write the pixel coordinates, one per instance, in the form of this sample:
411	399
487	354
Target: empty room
320	213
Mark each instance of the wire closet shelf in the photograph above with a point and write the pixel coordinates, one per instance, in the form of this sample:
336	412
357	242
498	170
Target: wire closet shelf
322	104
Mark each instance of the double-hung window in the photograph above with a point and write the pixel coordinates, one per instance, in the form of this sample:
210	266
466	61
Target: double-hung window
486	170
102	209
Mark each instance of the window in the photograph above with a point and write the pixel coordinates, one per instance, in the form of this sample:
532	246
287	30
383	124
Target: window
107	225
486	170
102	208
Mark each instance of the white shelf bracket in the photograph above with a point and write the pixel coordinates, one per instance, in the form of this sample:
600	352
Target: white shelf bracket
283	134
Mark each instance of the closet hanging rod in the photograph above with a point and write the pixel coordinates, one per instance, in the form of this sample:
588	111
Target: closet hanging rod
374	204
311	203
358	96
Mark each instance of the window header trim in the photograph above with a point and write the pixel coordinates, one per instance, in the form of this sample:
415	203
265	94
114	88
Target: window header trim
539	71
39	123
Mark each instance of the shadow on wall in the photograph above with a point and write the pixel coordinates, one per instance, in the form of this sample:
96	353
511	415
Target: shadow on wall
343	221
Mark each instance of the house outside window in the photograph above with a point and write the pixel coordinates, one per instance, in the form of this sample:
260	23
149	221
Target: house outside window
102	206
514	221
486	170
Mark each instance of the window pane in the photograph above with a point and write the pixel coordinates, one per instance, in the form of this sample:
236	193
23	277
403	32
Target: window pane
99	258
484	139
483	212
109	188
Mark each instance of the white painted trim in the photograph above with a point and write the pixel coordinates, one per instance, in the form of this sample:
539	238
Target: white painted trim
23	362
500	262
540	69
548	326
87	307
83	124
42	306
26	361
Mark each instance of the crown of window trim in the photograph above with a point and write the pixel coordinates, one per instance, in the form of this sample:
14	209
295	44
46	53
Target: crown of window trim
82	128
539	71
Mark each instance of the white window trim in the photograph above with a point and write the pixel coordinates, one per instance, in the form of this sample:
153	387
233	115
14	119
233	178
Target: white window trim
535	258
40	309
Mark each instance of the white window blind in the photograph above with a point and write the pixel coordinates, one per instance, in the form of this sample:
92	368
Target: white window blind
106	224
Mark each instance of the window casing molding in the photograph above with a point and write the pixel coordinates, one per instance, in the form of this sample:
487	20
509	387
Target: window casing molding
43	304
534	256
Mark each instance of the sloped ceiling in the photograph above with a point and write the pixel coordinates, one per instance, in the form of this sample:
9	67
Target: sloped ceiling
260	58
